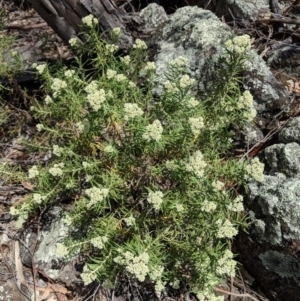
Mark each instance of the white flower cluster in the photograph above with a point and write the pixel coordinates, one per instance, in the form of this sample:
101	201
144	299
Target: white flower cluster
246	103
57	169
136	265
237	204
150	66
129	221
179	207
69	73
186	81
139	44
226	229
99	242
192	102
79	127
116	31
132	110
33	172
86	164
111	73
196	164
91	87
239	44
38	198
155	198
217	185
179	62
88	275
170	87
208	206
39	127
226	265
57	86
120	78
96	195
131	84
126	60
48	100
196	124
14	211
153	131
96	99
41	68
111	48
73	41
57	150
109	149
89	20
207	295
255	170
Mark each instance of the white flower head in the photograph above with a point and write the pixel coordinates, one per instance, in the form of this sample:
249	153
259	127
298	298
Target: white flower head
91	87
48	100
120	78
239	44
150	66
57	150
69	73
96	99
99	241
237	204
196	124
89	20
109	149
196	164
96	195
131	84
33	172
38	198
186	81
73	41
58	85
226	229
41	68
208	206
153	131
217	185
129	221
132	110
110	73
192	102
179	62
139	44
40	127
111	48
57	170
126	60
255	170
116	31
155	198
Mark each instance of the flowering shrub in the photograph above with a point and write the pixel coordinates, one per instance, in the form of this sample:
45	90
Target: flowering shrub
152	183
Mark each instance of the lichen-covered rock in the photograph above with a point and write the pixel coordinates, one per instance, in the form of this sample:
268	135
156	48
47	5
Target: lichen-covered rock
241	9
46	257
270	251
199	36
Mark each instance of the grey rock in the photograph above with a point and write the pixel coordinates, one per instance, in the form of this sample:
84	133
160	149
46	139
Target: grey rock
199	36
291	132
46	258
270	250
